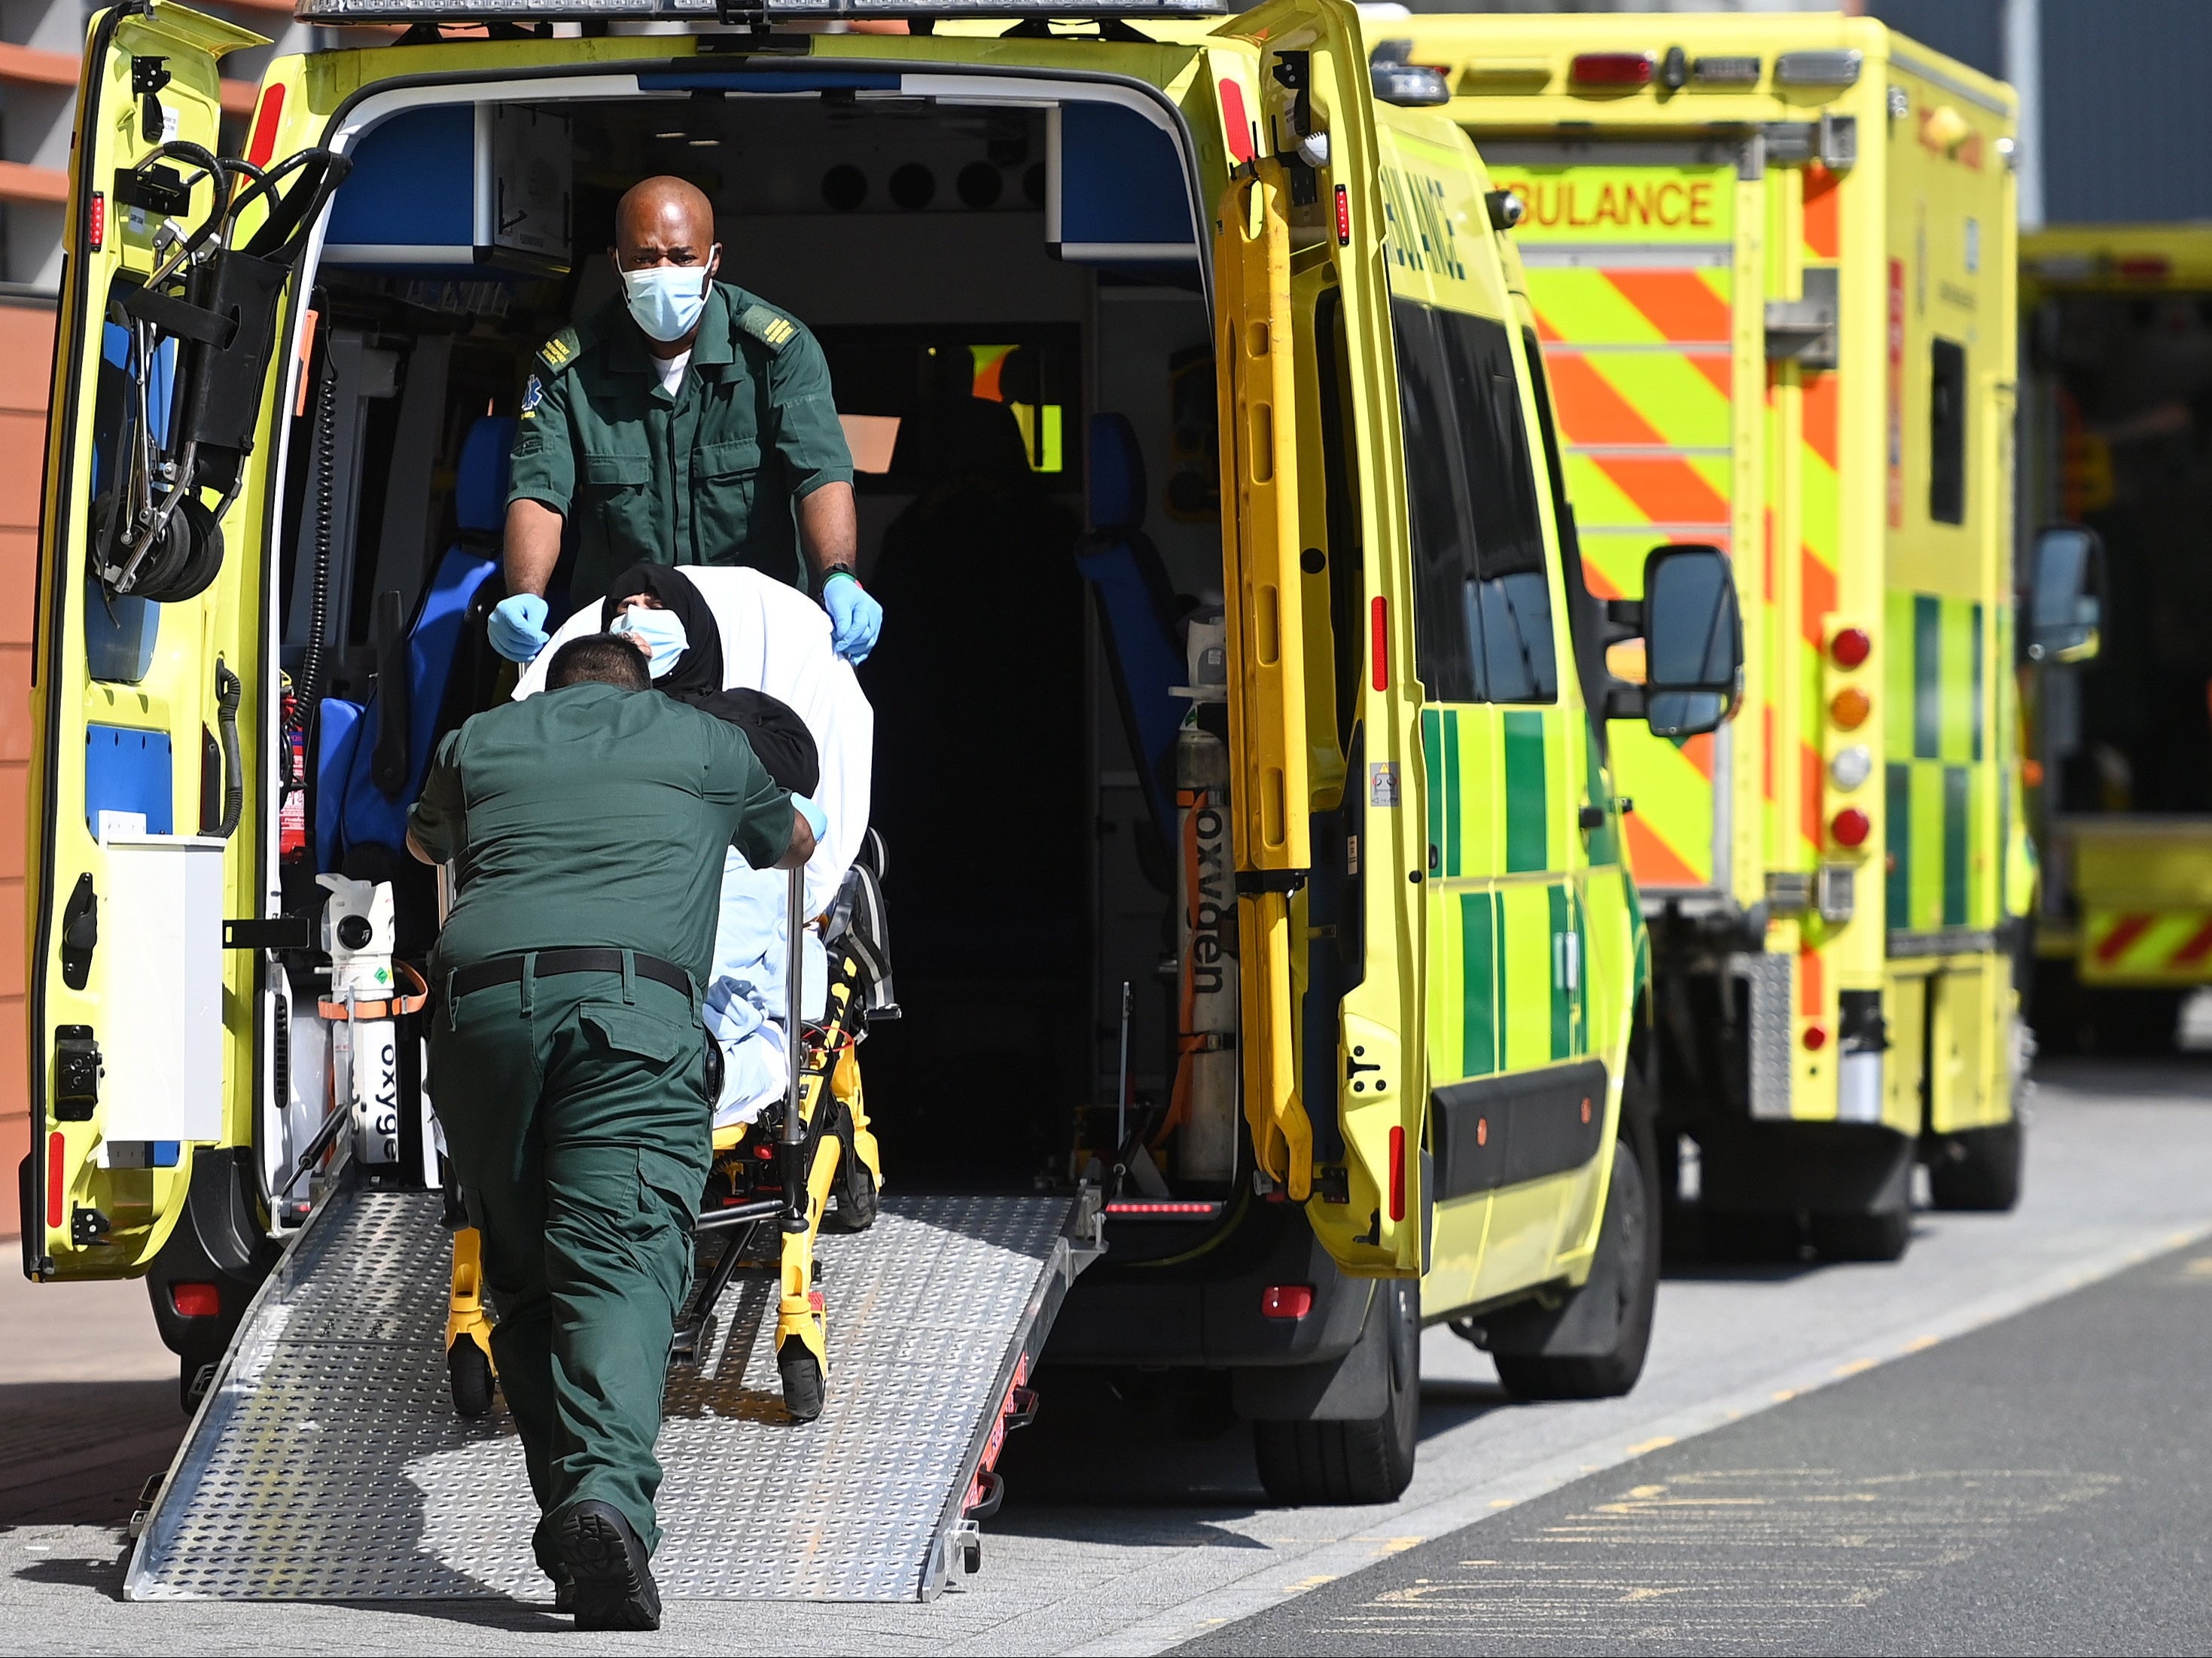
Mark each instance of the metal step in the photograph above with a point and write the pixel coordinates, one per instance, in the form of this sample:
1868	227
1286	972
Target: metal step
327	1463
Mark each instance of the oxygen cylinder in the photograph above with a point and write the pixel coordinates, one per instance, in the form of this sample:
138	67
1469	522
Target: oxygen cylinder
1206	926
364	1053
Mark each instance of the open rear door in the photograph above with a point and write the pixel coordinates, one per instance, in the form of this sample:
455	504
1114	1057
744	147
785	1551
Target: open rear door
1323	745
147	697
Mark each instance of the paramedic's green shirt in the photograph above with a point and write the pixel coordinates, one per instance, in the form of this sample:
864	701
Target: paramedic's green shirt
594	815
709	475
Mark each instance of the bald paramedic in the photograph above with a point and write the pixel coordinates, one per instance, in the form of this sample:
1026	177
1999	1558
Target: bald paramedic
687	421
568	1062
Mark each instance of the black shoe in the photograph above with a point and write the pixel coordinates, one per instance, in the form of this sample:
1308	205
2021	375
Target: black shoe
610	1568
564	1594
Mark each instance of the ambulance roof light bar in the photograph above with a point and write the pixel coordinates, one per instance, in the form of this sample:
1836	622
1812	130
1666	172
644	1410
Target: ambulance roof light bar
732	13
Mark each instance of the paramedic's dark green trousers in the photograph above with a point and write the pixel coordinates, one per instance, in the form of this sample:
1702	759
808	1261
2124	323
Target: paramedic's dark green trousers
575	1115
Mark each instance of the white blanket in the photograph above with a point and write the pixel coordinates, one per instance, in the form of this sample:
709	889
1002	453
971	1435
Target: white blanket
776	640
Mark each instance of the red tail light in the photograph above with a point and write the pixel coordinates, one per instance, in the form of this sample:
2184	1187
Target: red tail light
1343	218
1849	827
1397	1174
1379	625
56	1150
196	1300
1612	69
1851	647
1286	1301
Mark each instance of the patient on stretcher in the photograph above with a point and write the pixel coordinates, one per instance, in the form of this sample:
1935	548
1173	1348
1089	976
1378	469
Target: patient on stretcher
757	653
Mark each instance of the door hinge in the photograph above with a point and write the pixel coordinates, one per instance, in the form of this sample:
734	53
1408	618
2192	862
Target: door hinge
77	1071
1803	331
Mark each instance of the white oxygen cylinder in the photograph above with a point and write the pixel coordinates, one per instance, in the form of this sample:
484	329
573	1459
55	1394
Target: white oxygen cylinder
357	935
1206	926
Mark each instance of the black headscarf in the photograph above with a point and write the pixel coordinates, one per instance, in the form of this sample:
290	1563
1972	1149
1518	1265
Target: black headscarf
698	671
780	740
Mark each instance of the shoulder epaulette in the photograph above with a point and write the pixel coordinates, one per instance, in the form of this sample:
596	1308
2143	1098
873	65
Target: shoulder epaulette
771	328
557	353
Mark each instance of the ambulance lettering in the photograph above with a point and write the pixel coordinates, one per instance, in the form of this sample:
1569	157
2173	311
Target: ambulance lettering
1582	204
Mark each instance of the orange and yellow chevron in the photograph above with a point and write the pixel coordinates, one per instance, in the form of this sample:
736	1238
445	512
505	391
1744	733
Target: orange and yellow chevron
1631	274
2146	946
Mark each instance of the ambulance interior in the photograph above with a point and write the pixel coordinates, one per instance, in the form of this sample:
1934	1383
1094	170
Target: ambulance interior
1011	301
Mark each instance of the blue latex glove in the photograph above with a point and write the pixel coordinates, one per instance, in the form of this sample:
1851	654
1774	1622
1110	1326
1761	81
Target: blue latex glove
817	819
517	627
855	618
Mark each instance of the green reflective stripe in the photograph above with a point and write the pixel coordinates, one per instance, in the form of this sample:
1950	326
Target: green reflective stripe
1603	849
1927	676
1527	821
1581	1038
1897	802
1954	845
1974	634
1453	862
1479	975
1562	1005
1432	747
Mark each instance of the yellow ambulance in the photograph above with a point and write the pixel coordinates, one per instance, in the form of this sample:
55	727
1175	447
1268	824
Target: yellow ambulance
1328	983
2115	322
1771	262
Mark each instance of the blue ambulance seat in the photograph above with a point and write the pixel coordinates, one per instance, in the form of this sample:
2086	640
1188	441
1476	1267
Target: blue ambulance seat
1137	605
361	810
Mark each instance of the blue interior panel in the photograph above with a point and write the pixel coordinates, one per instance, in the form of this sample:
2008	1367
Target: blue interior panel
1122	185
413	185
126	769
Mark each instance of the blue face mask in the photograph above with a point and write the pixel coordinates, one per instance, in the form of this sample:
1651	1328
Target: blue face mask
662	632
665	300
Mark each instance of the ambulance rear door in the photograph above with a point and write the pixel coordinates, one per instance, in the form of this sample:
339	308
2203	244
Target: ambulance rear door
1645	271
147	698
1323	735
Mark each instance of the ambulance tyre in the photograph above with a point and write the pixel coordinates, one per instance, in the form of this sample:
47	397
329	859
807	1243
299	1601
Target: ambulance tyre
468	1373
1335	1463
1977	1170
802	1380
1625	1277
1884	1234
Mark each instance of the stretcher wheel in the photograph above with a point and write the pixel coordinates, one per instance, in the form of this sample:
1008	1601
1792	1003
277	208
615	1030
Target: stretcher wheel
851	1193
802	1380
468	1372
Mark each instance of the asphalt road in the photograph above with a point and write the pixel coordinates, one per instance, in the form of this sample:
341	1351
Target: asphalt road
1929	1383
2043	1484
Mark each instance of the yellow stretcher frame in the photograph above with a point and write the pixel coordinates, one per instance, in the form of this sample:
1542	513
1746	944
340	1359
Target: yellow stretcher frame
827	1063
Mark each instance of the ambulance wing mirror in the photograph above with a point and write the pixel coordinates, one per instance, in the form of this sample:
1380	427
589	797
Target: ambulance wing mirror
2065	598
1693	640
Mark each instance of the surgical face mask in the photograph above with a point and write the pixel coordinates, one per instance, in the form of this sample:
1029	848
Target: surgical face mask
667	299
662	632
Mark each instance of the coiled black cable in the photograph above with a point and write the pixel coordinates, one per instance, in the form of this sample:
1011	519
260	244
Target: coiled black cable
311	665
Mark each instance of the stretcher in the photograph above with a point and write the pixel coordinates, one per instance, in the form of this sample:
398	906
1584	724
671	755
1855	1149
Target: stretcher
808	1163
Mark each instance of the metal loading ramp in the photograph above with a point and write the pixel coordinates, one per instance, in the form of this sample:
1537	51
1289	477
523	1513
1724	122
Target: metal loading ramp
327	1464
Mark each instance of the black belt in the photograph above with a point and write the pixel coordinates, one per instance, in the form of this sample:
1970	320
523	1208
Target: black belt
507	969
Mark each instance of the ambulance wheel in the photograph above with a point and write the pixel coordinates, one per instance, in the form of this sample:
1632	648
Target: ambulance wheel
802	1380
1977	1170
1625	1279
853	1193
468	1372
1308	1463
1882	1235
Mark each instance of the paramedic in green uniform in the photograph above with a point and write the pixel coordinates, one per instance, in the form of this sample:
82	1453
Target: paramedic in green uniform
686	422
568	1063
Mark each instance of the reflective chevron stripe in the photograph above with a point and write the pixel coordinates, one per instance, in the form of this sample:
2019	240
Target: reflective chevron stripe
2147	946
